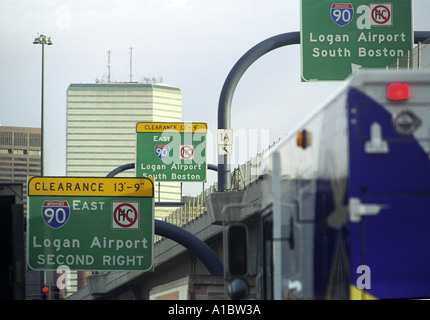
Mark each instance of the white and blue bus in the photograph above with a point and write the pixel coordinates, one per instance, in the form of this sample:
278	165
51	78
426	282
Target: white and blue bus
345	198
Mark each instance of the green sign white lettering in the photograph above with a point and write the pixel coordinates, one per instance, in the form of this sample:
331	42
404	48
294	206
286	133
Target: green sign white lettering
90	223
171	151
337	38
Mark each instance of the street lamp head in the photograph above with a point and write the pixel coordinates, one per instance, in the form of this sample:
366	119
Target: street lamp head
43	39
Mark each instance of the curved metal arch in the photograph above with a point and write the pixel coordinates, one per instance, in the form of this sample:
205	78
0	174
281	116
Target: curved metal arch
230	84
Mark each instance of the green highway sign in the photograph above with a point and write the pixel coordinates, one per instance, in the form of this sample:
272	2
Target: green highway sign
90	223
171	151
338	37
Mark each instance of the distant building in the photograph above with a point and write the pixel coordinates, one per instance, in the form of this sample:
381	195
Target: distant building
19	154
19	158
101	128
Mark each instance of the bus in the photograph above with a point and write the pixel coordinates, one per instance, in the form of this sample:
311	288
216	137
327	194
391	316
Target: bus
345	198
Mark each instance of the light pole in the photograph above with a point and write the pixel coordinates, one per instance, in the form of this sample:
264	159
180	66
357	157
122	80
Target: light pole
42	39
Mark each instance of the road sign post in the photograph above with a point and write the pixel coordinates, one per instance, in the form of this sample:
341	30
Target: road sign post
90	223
171	151
337	38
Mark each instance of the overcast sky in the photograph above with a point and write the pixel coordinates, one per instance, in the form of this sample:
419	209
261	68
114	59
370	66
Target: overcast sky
191	44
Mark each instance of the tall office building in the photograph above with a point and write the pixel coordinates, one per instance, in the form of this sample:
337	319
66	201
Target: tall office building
101	128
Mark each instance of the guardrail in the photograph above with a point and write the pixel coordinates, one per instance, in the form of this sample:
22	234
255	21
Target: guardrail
418	58
190	211
242	176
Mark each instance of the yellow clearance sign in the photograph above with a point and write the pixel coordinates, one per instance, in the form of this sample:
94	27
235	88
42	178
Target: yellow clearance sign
161	127
99	187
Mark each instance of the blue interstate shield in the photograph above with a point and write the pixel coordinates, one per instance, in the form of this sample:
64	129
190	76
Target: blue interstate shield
55	213
342	13
161	151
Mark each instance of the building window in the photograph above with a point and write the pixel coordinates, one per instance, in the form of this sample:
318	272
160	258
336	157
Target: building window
34	140
20	164
19	151
6	138
20	139
20	175
34	152
5	151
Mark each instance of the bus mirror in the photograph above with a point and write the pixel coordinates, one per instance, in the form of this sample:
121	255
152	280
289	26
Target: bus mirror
237	249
